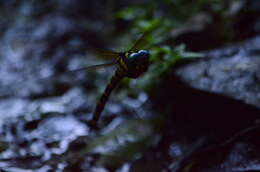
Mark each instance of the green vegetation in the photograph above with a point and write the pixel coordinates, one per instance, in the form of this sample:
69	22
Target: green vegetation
166	17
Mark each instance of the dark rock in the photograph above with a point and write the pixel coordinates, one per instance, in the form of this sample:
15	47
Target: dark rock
235	75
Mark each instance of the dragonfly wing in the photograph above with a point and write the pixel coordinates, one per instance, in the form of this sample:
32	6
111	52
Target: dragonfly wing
145	38
54	76
141	42
106	54
92	67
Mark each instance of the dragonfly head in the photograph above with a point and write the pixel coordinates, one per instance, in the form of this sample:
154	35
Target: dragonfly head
137	63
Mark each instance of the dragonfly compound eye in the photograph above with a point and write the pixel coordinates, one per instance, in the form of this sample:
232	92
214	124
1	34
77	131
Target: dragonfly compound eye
137	63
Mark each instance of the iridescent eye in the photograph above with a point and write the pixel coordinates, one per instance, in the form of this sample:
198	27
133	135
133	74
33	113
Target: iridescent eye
133	55
144	52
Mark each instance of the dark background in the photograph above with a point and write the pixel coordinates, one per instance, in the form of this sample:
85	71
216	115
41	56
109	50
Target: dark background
195	109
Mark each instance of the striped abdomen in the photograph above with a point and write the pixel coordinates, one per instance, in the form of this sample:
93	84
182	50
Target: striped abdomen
119	74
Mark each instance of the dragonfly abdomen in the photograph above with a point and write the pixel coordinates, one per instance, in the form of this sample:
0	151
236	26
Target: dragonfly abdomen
119	74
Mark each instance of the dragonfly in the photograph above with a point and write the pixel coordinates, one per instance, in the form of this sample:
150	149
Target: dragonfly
131	63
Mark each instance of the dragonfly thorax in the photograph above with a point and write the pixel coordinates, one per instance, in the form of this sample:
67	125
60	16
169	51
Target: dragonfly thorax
136	63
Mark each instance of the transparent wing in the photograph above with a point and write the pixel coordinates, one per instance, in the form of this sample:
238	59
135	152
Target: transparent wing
92	67
55	76
106	54
144	40
141	42
80	69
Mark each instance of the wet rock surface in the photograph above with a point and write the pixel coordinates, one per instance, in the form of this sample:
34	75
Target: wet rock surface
209	103
44	113
232	71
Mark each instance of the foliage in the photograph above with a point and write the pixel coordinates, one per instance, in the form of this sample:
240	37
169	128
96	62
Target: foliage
173	12
163	59
164	16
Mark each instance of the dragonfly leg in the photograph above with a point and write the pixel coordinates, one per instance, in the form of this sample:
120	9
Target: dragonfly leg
119	74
